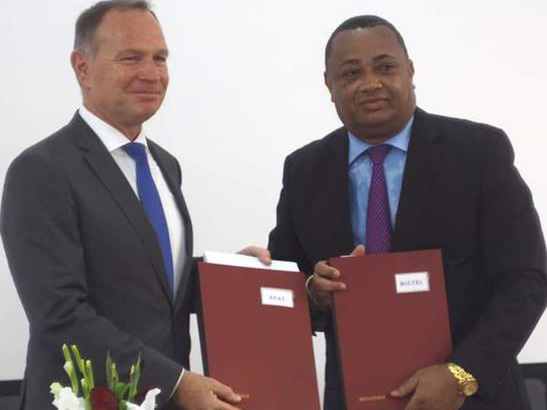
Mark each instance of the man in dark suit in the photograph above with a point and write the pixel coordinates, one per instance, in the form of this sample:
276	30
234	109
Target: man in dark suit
440	183
95	227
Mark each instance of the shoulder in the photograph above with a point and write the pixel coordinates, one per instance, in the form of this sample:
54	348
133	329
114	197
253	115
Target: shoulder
459	128
41	175
461	136
332	144
50	152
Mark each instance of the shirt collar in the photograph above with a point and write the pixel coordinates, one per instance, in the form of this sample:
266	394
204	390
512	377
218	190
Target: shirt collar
400	140
112	138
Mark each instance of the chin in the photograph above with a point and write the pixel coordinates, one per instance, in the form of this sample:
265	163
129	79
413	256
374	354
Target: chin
146	112
377	119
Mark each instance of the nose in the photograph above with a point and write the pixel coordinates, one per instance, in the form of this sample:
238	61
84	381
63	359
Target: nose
371	83
149	70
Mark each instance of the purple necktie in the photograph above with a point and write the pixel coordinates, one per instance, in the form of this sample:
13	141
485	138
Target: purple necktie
378	233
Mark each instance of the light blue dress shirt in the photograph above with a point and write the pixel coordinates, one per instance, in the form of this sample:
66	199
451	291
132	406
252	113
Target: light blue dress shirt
360	170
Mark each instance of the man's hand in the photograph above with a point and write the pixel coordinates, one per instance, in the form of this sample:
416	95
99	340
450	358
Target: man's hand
324	281
196	392
434	388
262	254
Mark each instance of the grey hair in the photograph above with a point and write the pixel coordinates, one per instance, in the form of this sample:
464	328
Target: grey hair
90	19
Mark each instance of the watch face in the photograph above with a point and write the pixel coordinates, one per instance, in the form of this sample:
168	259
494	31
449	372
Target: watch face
470	388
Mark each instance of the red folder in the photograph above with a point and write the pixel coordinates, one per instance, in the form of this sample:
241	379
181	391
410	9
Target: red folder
262	351
389	326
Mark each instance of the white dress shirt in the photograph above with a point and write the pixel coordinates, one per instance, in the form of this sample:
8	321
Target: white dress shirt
114	140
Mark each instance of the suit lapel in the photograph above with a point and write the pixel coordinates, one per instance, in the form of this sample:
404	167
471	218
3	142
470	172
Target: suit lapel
171	173
423	159
106	170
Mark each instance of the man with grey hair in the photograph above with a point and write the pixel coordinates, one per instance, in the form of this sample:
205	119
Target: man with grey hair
95	226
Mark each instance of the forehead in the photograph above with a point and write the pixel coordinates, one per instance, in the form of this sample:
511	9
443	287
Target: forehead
135	29
365	44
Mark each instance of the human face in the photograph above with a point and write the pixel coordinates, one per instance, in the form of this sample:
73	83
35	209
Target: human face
370	81
125	82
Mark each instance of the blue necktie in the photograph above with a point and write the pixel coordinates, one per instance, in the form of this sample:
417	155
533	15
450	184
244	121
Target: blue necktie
151	203
378	237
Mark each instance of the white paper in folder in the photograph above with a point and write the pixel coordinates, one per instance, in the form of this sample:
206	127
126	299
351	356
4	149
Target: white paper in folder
235	259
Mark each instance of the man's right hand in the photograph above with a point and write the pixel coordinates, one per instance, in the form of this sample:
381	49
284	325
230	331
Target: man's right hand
324	281
197	392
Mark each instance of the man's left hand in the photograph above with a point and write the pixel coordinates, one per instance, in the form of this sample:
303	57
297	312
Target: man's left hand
262	254
433	388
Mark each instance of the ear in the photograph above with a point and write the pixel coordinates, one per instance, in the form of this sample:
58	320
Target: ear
80	65
410	68
329	84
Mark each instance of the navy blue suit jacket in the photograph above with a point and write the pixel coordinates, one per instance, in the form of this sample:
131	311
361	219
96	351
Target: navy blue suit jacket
460	193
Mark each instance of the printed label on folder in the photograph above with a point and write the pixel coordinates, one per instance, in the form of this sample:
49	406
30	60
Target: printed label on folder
277	297
412	282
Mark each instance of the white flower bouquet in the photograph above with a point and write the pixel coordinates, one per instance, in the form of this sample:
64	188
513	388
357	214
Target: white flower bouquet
116	396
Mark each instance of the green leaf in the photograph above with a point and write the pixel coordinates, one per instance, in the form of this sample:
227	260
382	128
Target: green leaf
66	353
79	361
109	370
134	376
115	376
87	395
69	369
120	389
89	374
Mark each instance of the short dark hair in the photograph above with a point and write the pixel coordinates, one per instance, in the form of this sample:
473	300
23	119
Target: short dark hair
363	22
91	18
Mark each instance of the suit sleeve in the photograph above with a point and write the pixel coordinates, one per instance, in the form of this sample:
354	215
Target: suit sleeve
283	242
284	245
513	259
46	256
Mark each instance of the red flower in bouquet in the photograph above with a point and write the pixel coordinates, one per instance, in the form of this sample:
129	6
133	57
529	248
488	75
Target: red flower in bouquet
103	398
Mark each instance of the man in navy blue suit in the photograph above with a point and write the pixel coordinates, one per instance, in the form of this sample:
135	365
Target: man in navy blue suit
447	183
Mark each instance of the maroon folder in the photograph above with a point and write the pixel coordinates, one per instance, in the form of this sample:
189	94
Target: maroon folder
388	325
262	351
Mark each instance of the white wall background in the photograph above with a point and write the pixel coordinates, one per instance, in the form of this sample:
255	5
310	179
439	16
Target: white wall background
246	89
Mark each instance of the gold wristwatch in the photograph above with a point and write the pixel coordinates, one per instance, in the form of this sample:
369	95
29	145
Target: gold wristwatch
467	383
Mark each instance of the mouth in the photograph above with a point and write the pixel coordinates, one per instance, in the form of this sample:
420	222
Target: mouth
373	104
146	92
147	95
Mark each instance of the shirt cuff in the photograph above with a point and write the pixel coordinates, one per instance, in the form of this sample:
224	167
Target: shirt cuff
177	384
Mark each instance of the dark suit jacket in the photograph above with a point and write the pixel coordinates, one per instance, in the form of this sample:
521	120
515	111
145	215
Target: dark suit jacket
460	193
87	265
